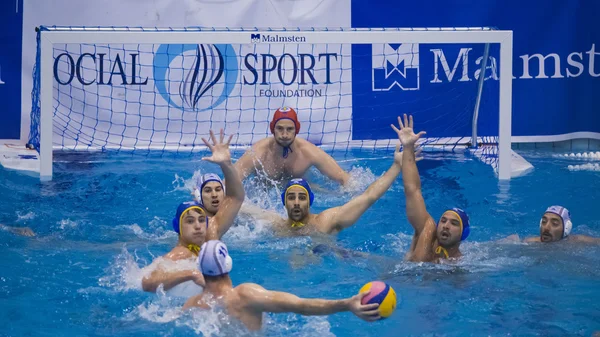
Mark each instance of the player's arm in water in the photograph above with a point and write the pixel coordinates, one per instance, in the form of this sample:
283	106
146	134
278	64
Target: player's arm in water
23	231
259	213
234	190
338	218
572	238
170	279
583	239
245	166
327	165
258	299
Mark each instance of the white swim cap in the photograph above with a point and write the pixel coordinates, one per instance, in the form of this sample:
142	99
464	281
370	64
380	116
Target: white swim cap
565	216
202	181
214	259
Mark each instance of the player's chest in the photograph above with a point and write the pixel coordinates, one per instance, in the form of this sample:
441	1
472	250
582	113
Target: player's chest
294	165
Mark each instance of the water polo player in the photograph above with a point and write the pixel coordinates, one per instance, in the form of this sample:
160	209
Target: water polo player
209	192
284	155
556	225
297	197
248	301
432	240
194	225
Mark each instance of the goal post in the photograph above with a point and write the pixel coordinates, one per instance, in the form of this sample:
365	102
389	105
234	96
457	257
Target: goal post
129	88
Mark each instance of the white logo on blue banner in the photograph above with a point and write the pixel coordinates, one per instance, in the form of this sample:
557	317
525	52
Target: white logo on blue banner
395	65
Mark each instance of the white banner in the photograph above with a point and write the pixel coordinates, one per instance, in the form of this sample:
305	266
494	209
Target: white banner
170	95
165	13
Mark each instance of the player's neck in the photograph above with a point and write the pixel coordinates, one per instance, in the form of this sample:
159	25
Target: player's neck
451	251
219	286
276	147
189	249
300	223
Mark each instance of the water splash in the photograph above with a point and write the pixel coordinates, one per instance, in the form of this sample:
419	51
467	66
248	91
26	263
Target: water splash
123	274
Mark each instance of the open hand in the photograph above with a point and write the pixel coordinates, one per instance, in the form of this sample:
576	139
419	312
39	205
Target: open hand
220	150
367	312
406	134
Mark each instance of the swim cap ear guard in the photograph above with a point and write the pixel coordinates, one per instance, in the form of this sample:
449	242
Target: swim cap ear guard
214	259
464	222
181	209
565	215
301	183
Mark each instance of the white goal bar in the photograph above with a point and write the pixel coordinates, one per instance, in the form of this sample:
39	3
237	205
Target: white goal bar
99	35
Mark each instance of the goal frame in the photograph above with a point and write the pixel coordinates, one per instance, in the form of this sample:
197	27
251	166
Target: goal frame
127	35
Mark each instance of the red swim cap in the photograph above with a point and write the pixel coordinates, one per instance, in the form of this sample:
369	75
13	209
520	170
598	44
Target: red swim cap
285	113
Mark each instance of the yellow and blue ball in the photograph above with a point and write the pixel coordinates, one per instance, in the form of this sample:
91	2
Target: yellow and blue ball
382	294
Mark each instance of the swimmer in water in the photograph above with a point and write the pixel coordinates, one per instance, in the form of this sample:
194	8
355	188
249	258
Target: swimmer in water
195	225
248	301
556	225
431	241
297	198
210	192
284	155
23	231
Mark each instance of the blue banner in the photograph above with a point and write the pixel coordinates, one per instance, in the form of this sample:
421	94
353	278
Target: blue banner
11	26
555	68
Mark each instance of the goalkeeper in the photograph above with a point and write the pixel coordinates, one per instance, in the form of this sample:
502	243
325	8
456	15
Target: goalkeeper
285	156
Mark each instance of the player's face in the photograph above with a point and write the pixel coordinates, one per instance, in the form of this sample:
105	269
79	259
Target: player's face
212	196
449	230
285	132
193	227
551	228
297	203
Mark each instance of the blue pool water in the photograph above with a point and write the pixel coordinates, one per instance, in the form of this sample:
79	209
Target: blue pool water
105	216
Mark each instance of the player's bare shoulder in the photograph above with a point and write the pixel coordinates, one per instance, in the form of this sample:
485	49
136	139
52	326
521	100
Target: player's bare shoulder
306	148
261	148
263	144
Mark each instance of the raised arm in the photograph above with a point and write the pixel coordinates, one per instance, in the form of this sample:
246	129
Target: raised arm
415	205
339	218
259	299
328	166
234	190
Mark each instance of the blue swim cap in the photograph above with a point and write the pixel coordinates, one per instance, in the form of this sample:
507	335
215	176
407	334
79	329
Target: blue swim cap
183	207
464	222
301	183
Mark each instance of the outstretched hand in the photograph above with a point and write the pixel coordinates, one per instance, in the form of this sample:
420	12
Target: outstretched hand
220	150
367	312
406	134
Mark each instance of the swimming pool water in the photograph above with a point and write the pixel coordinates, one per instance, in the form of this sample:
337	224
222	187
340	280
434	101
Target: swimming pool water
105	216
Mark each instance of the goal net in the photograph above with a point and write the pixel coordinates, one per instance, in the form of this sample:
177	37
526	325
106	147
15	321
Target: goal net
150	89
